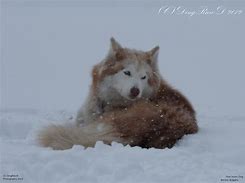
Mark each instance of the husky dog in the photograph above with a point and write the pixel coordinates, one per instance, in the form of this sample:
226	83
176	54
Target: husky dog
123	77
130	103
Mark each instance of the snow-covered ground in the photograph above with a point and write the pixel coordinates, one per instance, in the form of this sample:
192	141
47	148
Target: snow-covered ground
216	152
47	51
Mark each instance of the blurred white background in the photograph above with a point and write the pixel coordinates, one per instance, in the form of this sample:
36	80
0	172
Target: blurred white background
49	47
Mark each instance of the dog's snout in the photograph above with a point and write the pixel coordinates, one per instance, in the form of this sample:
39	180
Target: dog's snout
134	92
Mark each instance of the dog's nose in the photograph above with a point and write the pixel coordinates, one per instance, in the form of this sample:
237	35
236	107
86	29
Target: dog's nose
134	92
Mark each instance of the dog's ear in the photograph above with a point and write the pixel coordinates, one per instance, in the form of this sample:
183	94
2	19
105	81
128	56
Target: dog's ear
154	52
116	50
115	46
153	55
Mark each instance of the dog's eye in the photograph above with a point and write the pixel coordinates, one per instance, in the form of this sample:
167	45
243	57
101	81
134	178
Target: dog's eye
143	77
128	73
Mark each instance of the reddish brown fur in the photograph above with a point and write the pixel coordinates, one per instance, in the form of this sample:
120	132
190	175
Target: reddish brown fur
158	122
110	66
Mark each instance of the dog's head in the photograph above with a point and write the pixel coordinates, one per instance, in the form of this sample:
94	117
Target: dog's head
131	73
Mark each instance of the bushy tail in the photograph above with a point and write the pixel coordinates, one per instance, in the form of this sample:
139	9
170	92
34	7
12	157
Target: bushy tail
63	137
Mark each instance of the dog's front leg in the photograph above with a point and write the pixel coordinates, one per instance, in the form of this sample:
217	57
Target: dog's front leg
90	111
